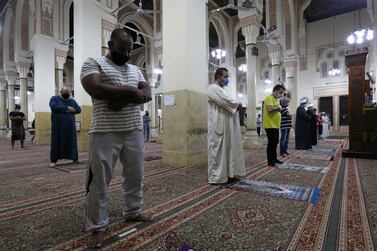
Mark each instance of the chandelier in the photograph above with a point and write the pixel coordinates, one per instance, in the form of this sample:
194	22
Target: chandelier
360	35
334	70
218	53
243	68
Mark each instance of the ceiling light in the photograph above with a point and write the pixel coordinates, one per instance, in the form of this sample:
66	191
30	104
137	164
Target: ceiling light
268	81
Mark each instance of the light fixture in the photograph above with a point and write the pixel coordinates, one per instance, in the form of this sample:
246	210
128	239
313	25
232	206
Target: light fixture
28	92
157	71
16	98
267	81
334	70
360	35
243	68
240	95
218	53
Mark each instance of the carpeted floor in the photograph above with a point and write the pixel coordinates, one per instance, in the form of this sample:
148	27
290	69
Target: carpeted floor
42	208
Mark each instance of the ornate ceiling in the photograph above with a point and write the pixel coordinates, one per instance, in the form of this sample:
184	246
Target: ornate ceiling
321	9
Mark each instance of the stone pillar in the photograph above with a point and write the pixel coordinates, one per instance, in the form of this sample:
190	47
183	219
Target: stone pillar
60	59
274	52
106	33
3	104
44	83
11	79
291	84
23	70
185	100
250	29
90	20
335	105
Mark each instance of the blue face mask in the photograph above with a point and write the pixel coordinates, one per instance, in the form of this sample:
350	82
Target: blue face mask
225	82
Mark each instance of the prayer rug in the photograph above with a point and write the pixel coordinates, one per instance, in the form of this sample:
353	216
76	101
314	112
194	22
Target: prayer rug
295	166
316	157
186	247
71	167
323	150
152	157
279	190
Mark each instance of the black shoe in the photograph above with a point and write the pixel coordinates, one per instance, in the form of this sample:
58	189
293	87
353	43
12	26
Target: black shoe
278	162
271	164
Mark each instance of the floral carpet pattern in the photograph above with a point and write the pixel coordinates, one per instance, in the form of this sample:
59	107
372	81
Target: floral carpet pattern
42	208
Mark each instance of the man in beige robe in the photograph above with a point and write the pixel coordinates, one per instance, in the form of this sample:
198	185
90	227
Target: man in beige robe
225	152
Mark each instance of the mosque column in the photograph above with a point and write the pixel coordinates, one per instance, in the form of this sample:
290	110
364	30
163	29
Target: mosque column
3	104
44	83
185	83
90	22
250	29
291	83
60	59
23	71
11	79
274	52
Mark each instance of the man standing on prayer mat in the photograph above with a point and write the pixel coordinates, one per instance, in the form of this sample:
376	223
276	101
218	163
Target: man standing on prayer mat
225	150
117	90
17	125
63	127
303	127
271	123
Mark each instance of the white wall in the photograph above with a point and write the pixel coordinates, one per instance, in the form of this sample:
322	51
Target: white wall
320	33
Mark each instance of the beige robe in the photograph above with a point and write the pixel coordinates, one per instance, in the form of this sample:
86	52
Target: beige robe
225	151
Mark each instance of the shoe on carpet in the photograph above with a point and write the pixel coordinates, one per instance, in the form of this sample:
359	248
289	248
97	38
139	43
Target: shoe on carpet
271	164
278	162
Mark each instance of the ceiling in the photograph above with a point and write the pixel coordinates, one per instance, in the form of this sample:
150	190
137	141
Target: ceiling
321	9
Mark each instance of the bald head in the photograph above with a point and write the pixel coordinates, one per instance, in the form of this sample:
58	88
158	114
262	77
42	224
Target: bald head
120	46
65	92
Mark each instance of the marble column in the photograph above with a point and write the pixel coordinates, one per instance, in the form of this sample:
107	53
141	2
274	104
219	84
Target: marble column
60	59
23	71
185	84
11	79
90	38
3	104
105	38
274	52
291	83
250	30
335	114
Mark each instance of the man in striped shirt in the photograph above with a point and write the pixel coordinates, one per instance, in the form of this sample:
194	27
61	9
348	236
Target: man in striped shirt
285	127
117	90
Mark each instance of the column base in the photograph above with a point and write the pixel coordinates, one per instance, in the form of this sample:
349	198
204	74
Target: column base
85	118
185	129
251	140
42	128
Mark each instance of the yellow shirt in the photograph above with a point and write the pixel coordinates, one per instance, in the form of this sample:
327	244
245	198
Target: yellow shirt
271	119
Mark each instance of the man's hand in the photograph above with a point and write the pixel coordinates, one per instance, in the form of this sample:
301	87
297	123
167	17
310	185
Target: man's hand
71	109
117	105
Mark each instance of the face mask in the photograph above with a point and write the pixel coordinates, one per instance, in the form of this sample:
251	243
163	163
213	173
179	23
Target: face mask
225	82
118	59
65	96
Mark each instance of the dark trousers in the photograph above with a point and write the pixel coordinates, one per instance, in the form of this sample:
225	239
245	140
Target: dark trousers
258	131
273	141
320	129
146	133
284	140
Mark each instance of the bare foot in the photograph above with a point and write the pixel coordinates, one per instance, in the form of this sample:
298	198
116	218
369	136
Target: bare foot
52	165
142	217
96	239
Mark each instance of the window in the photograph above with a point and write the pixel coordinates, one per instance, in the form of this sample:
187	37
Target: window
324	70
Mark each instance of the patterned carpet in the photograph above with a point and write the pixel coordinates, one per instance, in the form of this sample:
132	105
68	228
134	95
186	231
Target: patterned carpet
42	208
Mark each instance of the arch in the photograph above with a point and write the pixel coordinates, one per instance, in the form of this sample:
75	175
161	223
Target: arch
218	21
324	68
66	20
293	24
9	29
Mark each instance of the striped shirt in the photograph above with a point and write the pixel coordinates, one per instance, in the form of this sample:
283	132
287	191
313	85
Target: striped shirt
286	122
105	119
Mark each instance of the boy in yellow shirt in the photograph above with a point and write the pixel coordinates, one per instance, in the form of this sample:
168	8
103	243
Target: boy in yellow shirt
271	122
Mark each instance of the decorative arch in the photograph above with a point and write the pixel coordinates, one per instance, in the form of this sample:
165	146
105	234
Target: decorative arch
218	21
9	30
66	6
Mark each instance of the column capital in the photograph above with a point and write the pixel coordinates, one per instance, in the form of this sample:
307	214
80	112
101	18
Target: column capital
60	58
23	69
275	53
3	84
250	28
11	77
